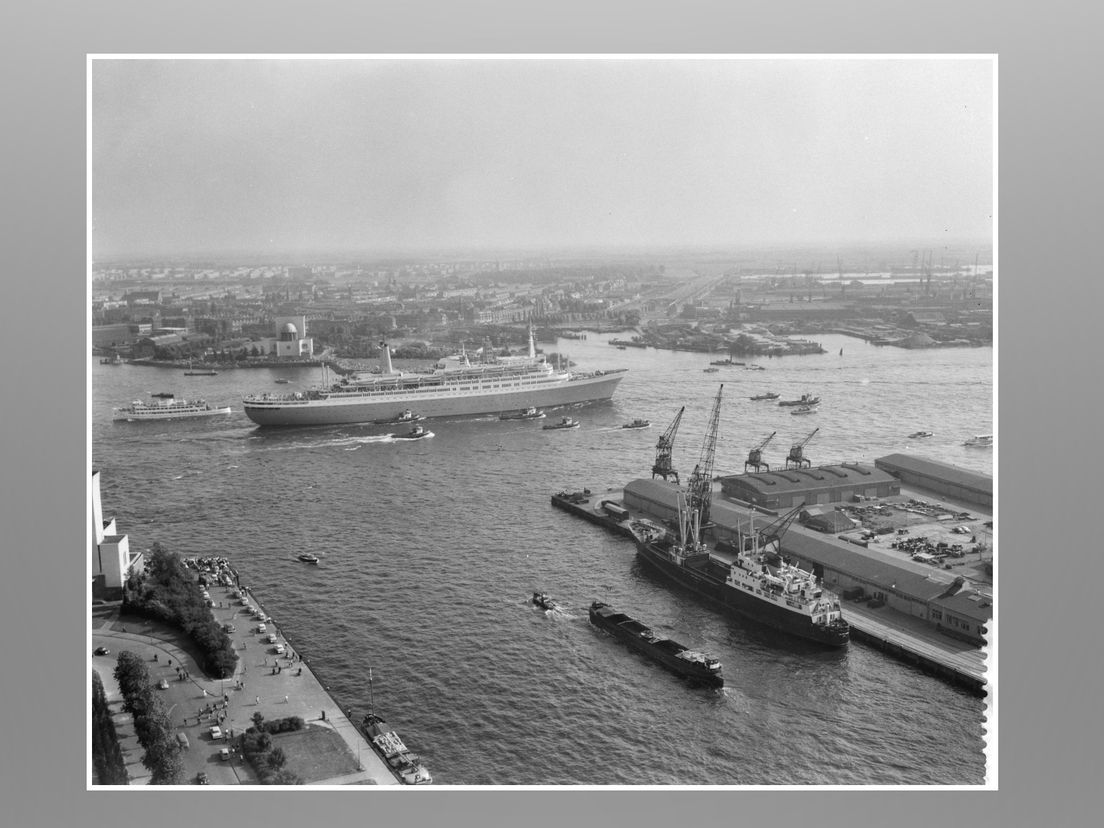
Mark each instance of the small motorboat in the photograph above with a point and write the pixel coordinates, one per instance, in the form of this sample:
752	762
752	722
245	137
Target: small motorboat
529	413
980	441
165	395
565	422
805	409
406	416
754	368
637	424
307	557
917	435
416	433
282	381
767	396
711	370
541	600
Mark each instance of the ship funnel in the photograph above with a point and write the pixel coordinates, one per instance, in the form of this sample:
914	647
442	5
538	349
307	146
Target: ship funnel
387	367
532	344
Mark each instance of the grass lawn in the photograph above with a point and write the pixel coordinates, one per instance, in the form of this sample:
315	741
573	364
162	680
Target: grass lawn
316	753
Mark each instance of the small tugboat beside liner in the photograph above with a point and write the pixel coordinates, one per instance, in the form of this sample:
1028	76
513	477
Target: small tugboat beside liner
406	416
565	422
529	413
681	660
416	433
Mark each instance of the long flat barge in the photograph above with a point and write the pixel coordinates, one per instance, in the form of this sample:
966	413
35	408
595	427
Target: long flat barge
902	638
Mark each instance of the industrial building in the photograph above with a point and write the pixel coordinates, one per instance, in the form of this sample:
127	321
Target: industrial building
782	490
939	478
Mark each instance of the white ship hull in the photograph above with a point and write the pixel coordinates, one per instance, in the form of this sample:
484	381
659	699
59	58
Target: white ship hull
337	408
139	416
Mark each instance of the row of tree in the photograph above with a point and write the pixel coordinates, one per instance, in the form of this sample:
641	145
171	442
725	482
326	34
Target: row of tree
151	721
107	756
167	591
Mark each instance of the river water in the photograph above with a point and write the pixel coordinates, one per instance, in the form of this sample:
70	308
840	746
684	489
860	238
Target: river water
431	549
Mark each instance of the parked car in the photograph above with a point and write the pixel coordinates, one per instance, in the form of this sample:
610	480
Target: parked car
163	684
224	754
101	651
216	732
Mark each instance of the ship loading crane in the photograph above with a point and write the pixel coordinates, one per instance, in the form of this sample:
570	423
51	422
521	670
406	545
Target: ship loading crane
755	456
700	486
761	539
797	458
664	446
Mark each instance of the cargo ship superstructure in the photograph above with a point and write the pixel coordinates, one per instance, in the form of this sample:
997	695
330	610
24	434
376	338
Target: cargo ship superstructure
463	389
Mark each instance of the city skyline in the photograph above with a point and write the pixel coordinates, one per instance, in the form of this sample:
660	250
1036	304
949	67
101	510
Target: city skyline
387	156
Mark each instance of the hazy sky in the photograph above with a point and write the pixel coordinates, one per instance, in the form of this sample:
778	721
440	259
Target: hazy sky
287	156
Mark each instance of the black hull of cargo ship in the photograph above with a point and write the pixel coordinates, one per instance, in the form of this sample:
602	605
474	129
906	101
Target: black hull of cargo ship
741	603
662	651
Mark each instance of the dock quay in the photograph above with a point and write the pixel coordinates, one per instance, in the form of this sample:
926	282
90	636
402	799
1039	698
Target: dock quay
331	750
907	638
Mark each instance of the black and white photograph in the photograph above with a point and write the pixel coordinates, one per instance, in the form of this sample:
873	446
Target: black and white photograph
542	421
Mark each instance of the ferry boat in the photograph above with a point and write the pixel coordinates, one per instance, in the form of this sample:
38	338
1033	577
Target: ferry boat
980	441
506	384
681	660
806	399
529	413
565	422
768	396
406	766
416	433
757	583
637	424
167	409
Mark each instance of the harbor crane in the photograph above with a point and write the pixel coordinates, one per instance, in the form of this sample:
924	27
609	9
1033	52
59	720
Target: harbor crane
797	458
755	456
666	442
700	487
770	534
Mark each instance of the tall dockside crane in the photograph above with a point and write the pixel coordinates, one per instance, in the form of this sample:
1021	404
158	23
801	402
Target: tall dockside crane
755	456
666	443
797	458
700	487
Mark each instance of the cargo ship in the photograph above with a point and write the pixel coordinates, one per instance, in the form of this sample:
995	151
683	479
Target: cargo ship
690	664
758	583
167	409
505	384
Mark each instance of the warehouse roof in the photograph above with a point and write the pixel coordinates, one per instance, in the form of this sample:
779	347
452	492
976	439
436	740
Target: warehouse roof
933	468
817	477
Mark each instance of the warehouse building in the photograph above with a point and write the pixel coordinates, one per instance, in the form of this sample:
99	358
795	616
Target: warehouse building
818	485
939	478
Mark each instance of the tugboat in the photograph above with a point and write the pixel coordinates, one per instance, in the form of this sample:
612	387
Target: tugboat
541	600
980	441
805	409
529	413
416	433
766	396
637	424
406	416
806	399
565	422
307	557
681	660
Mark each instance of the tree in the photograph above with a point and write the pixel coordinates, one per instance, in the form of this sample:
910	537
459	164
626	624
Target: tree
276	758
258	720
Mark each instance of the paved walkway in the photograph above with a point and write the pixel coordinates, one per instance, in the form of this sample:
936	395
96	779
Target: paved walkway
292	691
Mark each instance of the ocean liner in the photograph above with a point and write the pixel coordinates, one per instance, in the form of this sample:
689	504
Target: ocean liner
507	384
